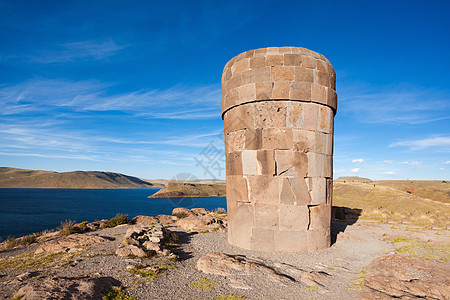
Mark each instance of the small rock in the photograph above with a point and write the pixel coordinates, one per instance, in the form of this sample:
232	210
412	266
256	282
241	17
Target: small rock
239	284
131	250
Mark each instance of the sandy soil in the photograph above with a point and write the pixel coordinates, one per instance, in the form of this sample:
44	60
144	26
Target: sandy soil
356	246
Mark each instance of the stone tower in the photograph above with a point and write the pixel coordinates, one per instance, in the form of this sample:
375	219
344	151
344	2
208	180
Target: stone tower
278	108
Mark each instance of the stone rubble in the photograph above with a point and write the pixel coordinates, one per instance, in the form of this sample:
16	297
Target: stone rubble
69	243
146	241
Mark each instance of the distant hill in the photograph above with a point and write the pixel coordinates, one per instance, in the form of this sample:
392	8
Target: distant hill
176	189
21	178
353	179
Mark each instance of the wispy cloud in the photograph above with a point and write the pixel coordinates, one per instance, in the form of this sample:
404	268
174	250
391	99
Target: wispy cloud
389	173
178	102
420	144
355	170
395	105
410	163
386	161
446	162
358	160
75	51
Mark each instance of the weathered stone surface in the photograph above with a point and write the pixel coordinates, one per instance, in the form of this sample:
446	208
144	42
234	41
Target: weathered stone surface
67	243
182	212
395	276
67	288
131	251
278	107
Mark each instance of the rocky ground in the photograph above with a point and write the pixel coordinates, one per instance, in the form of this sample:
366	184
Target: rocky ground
188	257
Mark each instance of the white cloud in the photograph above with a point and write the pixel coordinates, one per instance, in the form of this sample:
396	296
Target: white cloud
424	143
394	104
358	160
387	162
177	102
389	173
441	168
411	163
355	170
83	50
446	162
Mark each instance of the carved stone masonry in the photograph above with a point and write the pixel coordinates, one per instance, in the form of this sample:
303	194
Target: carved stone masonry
278	107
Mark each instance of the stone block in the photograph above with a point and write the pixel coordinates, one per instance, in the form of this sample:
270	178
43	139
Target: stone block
302	74
300	189
239	118
308	62
257	62
264	90
321	65
266	162
310	116
318	240
300	91
282	73
325	115
328	144
260	52
327	167
236	188
320	142
234	163
249	162
287	195
292	59
277	138
320	217
253	138
285	50
249	54
270	114
234	82
240	225
274	60
231	98
240	66
315	164
284	162
235	141
262	240
319	93
303	140
246	93
266	216
226	75
318	190
291	241
281	90
323	78
293	217
329	191
263	189
273	51
294	114
332	98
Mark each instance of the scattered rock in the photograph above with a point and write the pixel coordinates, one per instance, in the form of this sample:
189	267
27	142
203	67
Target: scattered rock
239	284
131	250
200	211
308	278
68	243
182	212
228	265
66	288
143	241
397	276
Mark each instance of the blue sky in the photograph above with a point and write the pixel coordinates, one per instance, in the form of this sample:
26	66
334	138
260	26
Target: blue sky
134	86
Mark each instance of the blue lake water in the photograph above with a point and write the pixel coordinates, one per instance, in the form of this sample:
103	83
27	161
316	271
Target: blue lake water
25	211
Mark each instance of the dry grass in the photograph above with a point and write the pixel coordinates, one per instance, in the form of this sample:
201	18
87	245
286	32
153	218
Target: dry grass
30	260
388	204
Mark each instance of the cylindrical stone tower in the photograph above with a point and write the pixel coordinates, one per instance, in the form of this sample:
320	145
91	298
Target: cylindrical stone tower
278	108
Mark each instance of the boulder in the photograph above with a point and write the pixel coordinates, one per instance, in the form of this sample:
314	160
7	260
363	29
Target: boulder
66	288
227	265
182	212
68	243
200	211
397	276
131	250
196	223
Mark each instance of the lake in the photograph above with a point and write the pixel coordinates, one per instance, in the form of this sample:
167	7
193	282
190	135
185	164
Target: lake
25	211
